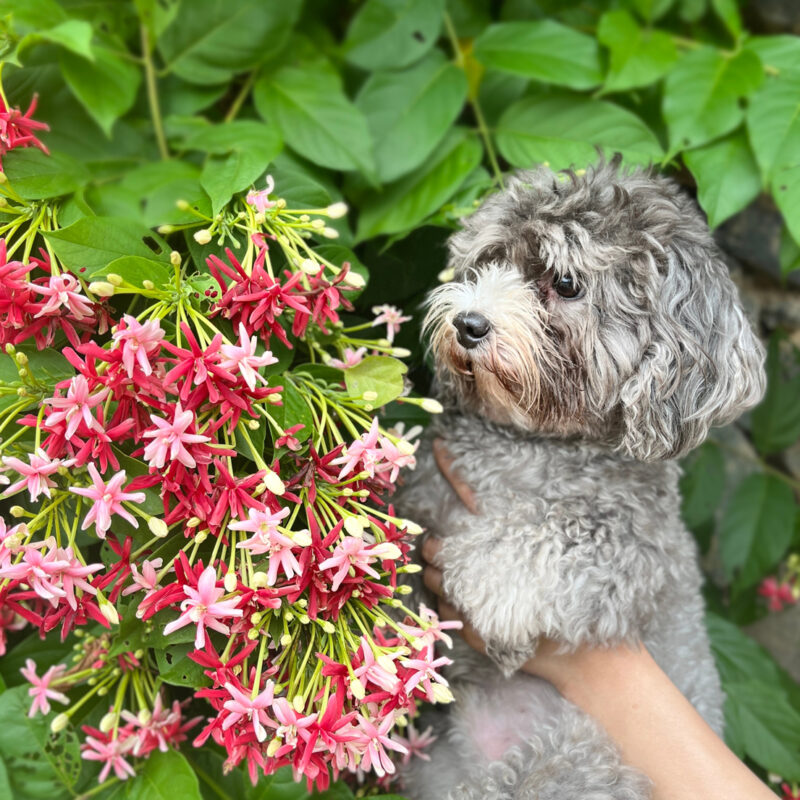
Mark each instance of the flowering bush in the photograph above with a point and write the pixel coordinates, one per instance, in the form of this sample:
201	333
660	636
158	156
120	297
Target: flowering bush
202	411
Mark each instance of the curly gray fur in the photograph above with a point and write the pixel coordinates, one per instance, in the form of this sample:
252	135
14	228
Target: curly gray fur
564	421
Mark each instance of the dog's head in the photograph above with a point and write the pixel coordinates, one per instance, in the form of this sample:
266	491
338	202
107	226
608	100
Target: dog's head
595	305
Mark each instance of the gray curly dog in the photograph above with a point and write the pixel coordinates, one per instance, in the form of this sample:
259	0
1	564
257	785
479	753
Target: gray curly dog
591	336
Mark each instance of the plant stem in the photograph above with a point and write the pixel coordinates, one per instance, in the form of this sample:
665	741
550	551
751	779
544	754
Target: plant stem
152	95
483	128
241	97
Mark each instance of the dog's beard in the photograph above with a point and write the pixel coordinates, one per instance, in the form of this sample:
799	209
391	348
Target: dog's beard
518	374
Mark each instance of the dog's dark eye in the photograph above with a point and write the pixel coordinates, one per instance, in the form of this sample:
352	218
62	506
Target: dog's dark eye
566	287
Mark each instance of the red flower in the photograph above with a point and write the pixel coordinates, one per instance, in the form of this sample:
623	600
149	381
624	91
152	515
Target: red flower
17	129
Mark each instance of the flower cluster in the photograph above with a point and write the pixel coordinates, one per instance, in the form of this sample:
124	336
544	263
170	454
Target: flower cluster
191	467
780	592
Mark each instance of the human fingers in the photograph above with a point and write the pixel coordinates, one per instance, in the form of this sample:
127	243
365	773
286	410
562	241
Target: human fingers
450	612
432	578
445	463
430	550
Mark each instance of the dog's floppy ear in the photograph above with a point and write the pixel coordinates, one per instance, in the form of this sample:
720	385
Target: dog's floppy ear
703	365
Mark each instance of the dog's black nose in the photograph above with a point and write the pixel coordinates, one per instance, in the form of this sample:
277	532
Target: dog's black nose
471	328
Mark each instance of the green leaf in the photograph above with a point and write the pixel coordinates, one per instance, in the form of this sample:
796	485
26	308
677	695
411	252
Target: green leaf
638	57
300	185
757	527
702	485
106	87
651	10
36	176
39	766
338	791
294	409
72	34
776	420
392	33
135	270
250	147
768	727
280	786
773	122
36	13
727	176
789	252
703	95
409	201
409	112
177	669
47	365
785	187
93	243
164	776
563	130
210	40
317	120
728	12
544	51
780	52
382	375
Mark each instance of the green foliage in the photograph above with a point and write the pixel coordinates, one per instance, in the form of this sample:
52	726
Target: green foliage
410	110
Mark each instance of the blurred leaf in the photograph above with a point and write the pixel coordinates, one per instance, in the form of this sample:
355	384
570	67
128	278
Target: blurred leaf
379	374
135	270
544	51
789	252
250	147
36	13
106	87
756	528
776	420
702	484
409	112
300	185
638	57
72	34
773	122
392	33
780	52
280	786
727	176
564	130
39	766
36	176
768	728
164	776
785	186
413	198
703	94
692	10
93	243
651	10
728	12
210	40
309	106
338	791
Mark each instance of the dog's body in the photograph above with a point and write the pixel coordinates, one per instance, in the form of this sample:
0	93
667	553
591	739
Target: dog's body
568	405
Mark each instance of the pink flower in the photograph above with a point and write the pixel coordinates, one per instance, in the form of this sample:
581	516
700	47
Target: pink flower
777	594
375	741
147	579
204	608
267	539
433	630
35	474
259	199
108	499
353	553
40	690
391	316
138	343
416	743
425	675
169	439
245	706
242	358
17	129
363	449
74	575
112	753
351	358
371	671
63	291
396	457
41	569
76	406
291	725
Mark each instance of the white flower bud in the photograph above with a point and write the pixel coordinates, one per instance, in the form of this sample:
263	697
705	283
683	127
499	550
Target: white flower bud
193	522
318	223
403	589
144	716
274	746
102	288
410	569
60	721
406	448
446	275
259	580
309	267
165	229
301	538
354	526
107	722
273	482
108	611
230	581
357	689
401	352
336	210
330	233
328	627
149	285
387	663
286	640
114	279
370	396
182	205
203	236
175	258
16	511
411	527
298	704
441	694
158	527
431	406
355	280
